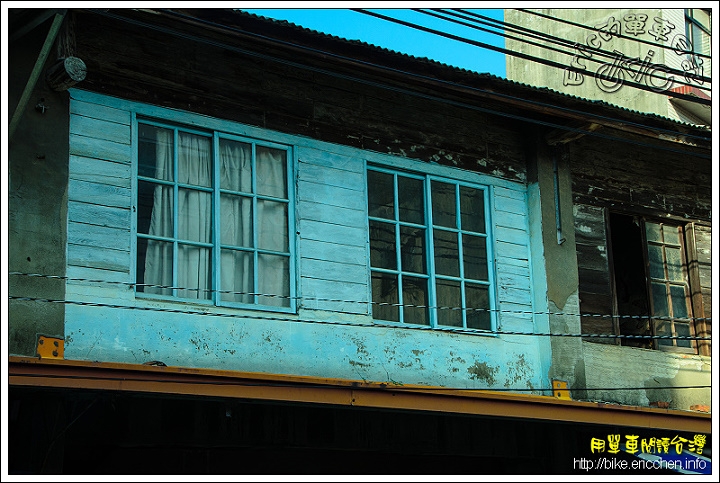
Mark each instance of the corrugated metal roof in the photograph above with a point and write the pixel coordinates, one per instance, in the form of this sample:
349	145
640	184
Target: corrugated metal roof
483	75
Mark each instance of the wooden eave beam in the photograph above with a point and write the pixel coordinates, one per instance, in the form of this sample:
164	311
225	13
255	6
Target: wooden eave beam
69	374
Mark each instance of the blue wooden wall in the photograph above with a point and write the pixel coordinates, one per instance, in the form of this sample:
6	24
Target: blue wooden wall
332	334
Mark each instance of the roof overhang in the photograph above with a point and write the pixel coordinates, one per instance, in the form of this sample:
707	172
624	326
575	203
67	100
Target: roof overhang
701	111
71	374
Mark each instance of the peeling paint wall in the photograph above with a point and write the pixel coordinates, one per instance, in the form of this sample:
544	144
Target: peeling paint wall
652	373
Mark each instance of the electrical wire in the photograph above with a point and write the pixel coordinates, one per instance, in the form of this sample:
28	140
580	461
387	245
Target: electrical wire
364	302
521	54
444	100
373	323
619	35
436	13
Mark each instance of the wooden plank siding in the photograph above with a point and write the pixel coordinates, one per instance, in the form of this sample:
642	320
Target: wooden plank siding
330	211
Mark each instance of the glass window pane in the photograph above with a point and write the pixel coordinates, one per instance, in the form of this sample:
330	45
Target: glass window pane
671	234
155	209
382	245
272	225
155	266
415	296
194	269
381	195
155	152
663	329
194	215
237	276
655	258
194	160
274	280
411	200
674	264
236	221
477	301
446	253
683	330
679	301
449	301
235	166
444	204
385	291
472	209
653	232
475	257
271	165
412	249
660	304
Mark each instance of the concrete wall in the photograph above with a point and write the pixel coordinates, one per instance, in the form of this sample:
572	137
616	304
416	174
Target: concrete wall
585	85
37	196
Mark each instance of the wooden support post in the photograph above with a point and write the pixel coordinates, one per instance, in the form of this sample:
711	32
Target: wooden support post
65	73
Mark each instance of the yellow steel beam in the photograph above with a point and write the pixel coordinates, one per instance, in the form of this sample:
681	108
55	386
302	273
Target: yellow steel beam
279	387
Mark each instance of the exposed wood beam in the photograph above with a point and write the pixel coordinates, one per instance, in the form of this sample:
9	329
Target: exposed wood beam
35	74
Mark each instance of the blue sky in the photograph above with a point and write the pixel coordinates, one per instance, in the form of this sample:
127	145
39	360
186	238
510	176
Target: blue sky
348	24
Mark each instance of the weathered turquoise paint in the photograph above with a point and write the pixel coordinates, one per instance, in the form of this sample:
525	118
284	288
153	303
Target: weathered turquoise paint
332	333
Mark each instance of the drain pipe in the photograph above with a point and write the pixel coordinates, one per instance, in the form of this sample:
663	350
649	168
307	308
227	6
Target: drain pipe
556	182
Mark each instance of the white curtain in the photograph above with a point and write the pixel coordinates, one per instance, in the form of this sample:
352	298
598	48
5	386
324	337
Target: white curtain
237	226
194	218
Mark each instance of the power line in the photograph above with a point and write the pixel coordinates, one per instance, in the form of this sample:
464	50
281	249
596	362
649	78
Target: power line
553	40
523	55
619	35
374	323
359	302
418	76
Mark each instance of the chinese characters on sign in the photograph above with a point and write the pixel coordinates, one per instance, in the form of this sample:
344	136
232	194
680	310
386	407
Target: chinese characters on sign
610	76
633	444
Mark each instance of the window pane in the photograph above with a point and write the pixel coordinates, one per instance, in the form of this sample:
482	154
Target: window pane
382	245
271	166
155	209
671	234
381	195
683	330
194	270
385	291
660	305
411	200
663	329
272	225
655	258
679	301
236	222
446	253
155	266
449	302
194	212
194	160
274	279
674	264
412	249
477	297
235	166
443	204
475	257
653	232
415	296
155	152
472	209
237	275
